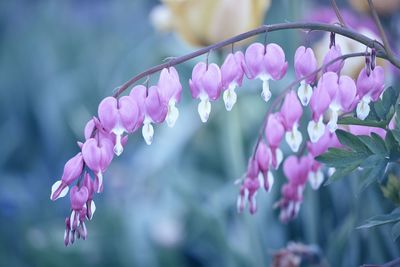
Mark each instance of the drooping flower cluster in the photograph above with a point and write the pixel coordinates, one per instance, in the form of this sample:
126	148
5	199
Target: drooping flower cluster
333	94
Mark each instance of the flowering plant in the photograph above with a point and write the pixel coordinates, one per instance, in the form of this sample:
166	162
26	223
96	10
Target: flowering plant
350	125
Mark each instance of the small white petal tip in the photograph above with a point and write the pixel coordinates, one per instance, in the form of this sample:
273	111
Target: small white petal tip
204	109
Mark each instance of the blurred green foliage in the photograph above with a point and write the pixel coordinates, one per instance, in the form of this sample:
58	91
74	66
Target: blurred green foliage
170	204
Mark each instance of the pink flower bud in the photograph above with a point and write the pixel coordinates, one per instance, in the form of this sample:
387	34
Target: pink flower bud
232	76
97	156
205	85
305	63
78	198
232	70
262	157
170	90
291	111
320	101
296	169
333	53
274	130
372	85
252	168
72	170
139	94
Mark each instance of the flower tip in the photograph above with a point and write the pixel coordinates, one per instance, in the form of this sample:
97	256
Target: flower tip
148	133
204	109
118	149
58	190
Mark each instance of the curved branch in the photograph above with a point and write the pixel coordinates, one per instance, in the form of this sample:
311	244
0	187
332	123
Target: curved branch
380	48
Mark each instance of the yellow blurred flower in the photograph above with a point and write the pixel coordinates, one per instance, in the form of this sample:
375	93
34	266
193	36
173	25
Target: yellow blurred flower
203	22
383	7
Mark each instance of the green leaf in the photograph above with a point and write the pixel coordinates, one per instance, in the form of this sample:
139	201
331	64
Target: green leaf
392	146
342	172
396	135
371	172
375	143
380	220
352	141
398	116
337	158
355	121
395	231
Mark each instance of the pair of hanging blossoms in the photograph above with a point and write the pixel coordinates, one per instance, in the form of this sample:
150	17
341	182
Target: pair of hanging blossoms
327	97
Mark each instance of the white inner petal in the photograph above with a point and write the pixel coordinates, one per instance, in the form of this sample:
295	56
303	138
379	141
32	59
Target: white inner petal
118	148
304	93
294	138
270	180
54	188
315	179
230	97
93	208
261	179
279	157
148	132
99	176
316	130
173	114
363	108
332	124
204	109
331	171
266	92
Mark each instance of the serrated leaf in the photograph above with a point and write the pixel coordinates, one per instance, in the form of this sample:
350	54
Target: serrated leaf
355	121
392	146
342	172
371	174
396	135
395	231
337	158
397	116
376	145
352	141
367	180
380	220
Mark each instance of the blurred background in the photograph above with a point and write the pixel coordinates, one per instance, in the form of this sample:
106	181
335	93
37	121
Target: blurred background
172	203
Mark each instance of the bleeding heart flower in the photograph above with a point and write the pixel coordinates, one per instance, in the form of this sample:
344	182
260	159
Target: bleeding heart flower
274	132
334	52
265	62
170	90
296	169
205	85
232	76
72	170
319	103
78	198
305	63
118	116
369	88
291	112
342	100
98	155
263	159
